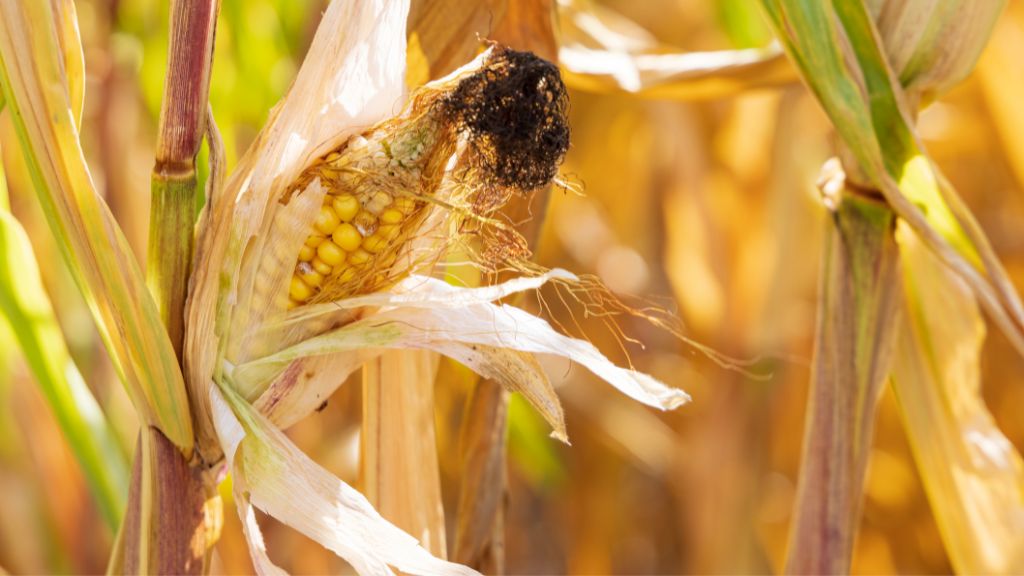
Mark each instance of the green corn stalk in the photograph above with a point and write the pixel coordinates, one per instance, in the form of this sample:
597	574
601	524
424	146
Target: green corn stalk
871	65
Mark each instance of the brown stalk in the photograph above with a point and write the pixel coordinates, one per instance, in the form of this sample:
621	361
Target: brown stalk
854	341
479	525
173	514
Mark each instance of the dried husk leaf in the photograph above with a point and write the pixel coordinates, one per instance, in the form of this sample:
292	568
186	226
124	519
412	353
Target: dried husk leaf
477	332
347	82
279	479
972	474
603	51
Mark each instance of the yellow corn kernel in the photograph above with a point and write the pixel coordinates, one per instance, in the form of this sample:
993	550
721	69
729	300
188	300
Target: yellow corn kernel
346	206
359	257
347	275
404	204
314	240
306	253
299	290
322	267
391	216
389	231
330	253
309	274
327	220
347	237
374	244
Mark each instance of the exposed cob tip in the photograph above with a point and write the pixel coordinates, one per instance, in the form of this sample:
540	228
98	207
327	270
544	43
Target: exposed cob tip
512	113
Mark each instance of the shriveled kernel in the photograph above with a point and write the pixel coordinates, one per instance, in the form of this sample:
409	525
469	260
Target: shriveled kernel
359	257
365	222
404	204
322	267
327	220
306	253
314	240
387	261
389	231
346	206
347	237
378	202
309	274
330	253
391	216
374	244
299	290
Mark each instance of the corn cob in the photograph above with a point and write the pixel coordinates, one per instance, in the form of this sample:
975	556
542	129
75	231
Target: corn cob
511	112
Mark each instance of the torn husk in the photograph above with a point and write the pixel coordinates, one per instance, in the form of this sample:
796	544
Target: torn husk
855	337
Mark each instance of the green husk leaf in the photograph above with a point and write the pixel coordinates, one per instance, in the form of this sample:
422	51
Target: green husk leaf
39	94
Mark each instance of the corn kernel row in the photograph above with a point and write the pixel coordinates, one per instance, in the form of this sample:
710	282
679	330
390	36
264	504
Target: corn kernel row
348	235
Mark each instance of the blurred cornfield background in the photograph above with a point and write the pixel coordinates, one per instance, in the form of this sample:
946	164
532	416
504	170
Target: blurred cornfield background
707	207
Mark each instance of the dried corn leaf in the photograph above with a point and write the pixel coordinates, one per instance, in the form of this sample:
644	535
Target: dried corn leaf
283	482
972	474
603	51
37	53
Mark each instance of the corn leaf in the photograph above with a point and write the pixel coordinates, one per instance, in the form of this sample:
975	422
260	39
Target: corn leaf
972	474
603	51
36	88
27	309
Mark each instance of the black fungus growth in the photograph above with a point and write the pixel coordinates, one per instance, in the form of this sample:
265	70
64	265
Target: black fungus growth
515	111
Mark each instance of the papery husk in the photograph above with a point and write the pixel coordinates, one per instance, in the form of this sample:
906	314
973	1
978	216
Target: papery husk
273	475
340	90
602	51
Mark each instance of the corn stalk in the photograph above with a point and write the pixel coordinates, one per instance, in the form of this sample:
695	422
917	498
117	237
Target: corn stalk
858	307
174	513
871	65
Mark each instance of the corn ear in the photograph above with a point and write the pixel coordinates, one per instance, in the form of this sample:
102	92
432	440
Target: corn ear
40	96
